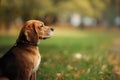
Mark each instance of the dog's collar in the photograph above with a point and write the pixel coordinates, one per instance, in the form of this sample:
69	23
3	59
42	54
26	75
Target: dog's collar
20	42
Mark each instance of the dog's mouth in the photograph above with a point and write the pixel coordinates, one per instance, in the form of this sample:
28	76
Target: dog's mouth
45	38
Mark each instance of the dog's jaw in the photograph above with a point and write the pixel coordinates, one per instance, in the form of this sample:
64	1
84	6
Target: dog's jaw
51	33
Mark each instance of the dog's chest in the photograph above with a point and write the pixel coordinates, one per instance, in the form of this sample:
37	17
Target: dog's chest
37	62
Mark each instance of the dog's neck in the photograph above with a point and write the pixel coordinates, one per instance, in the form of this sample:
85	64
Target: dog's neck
27	43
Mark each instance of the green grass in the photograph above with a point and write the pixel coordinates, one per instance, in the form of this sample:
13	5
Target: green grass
58	55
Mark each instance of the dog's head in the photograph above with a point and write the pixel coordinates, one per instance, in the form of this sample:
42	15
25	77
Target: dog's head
35	30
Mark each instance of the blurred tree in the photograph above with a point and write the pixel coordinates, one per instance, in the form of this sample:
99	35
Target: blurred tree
37	9
111	11
9	10
27	9
91	8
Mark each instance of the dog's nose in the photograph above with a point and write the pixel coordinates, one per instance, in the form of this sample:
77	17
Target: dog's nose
52	29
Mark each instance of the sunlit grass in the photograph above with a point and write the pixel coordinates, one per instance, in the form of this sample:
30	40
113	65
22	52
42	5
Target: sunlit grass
66	32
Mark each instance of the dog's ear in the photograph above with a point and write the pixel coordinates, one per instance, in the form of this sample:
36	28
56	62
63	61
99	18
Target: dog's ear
23	34
31	33
37	31
27	35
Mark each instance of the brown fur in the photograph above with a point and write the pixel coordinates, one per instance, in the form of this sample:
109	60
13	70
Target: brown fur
19	62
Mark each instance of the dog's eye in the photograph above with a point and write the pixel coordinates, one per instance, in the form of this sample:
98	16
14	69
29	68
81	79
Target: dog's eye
40	27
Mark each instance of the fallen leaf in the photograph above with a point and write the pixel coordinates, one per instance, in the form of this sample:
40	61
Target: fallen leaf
104	67
88	70
60	76
77	75
117	70
93	79
78	55
69	67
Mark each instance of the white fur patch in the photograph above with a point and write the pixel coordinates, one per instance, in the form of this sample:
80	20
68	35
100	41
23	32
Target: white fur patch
38	42
51	33
37	65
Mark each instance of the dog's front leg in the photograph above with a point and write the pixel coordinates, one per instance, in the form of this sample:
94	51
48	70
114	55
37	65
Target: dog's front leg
33	76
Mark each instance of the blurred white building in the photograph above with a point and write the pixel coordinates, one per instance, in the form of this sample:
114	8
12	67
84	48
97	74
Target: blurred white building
87	21
117	21
75	20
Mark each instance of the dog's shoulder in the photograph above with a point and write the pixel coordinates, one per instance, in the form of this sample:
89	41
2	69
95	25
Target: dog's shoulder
8	58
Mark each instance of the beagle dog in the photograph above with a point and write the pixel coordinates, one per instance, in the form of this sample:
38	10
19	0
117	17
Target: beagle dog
22	60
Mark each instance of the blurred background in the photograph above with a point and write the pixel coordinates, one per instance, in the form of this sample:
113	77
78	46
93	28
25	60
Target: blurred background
86	41
79	13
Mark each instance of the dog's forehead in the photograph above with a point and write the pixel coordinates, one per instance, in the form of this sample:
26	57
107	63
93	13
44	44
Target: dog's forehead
35	22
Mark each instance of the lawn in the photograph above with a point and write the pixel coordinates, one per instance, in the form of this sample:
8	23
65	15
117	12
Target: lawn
73	54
